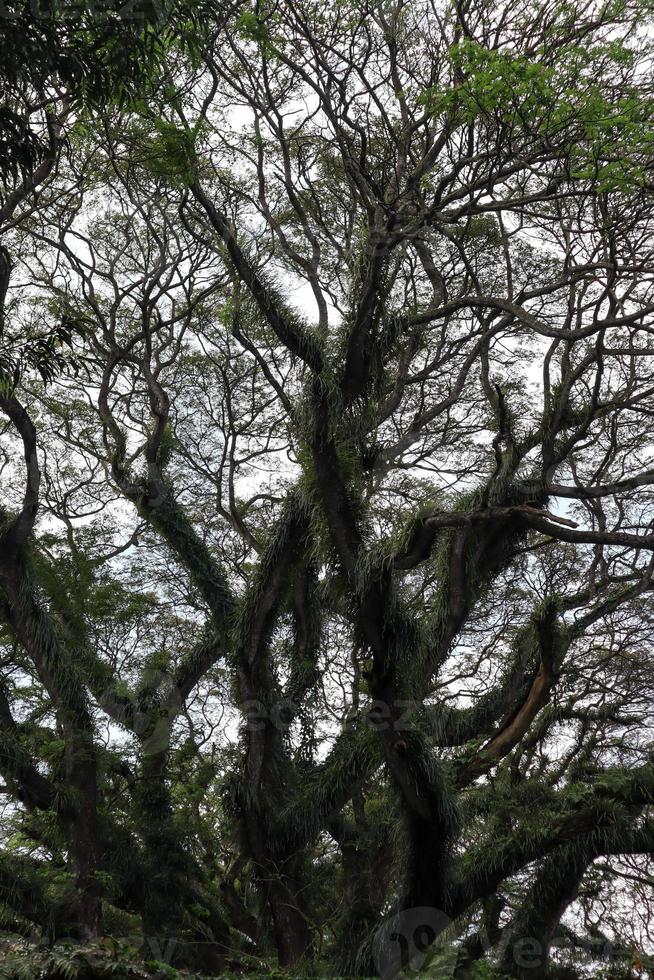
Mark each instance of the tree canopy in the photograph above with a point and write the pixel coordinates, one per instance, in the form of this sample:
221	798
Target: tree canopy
327	520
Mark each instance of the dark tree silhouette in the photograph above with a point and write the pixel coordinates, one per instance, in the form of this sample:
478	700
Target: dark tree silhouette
327	575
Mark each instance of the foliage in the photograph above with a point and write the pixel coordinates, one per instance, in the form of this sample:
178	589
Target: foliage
326	525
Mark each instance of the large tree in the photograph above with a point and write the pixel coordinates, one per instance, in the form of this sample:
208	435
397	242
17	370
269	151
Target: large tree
62	65
327	575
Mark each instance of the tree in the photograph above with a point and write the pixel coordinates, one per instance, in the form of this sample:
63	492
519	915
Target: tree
59	67
337	610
